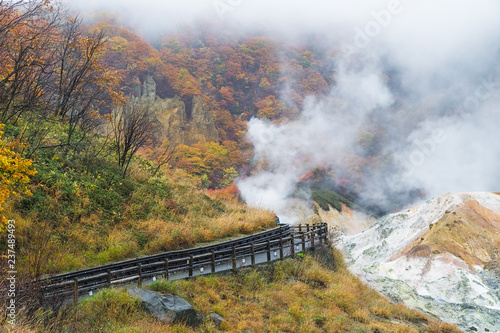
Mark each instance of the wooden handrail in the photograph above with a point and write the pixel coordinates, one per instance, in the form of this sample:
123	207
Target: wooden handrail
202	260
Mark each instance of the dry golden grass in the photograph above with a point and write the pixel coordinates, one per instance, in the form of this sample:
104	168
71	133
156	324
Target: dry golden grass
237	220
315	293
300	295
188	218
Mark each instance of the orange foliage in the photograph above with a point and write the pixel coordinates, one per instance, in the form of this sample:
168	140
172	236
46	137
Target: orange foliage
239	76
230	193
270	107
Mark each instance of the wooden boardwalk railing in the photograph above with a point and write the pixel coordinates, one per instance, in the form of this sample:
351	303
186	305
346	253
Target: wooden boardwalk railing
267	246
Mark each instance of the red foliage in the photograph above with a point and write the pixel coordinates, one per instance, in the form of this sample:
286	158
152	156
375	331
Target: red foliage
230	193
306	177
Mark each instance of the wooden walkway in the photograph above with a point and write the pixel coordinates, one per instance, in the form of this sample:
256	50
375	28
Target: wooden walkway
267	246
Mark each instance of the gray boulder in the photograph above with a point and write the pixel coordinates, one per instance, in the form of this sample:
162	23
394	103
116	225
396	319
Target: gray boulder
166	308
218	320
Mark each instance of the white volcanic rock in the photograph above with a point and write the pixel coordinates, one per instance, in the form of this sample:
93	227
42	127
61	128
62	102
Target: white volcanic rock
433	258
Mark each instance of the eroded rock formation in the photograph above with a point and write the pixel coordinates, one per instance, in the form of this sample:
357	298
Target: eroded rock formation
183	121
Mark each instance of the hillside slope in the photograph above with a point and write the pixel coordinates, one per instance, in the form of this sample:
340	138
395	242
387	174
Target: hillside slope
441	257
310	293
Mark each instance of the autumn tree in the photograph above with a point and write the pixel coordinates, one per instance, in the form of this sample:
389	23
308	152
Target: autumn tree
134	125
215	164
50	70
83	84
160	155
26	38
185	83
270	107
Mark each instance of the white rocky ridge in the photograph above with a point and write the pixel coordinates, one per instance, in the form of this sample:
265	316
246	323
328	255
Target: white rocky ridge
402	256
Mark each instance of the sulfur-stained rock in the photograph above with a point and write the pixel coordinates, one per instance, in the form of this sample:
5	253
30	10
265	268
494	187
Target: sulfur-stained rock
449	270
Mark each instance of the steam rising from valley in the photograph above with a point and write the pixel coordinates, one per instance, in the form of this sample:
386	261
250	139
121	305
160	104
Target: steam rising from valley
426	76
420	78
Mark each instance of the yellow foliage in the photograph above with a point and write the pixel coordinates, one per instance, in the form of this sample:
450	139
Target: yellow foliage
14	175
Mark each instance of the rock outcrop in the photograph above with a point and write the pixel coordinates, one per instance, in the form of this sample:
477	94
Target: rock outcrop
217	319
166	308
149	88
441	257
181	126
185	121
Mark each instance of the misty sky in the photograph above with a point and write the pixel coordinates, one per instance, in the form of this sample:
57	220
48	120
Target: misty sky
294	16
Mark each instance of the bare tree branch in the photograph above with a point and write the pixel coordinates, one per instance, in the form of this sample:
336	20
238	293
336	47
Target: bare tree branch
133	127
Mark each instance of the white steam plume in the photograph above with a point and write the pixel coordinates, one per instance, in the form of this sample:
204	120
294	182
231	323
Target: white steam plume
324	135
431	66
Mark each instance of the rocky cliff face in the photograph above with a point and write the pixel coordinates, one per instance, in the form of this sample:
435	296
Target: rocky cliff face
181	123
441	257
183	127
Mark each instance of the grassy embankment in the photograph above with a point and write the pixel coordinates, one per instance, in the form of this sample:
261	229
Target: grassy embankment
313	293
83	213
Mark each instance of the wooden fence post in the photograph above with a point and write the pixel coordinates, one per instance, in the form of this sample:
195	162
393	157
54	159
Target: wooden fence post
139	272
308	227
281	248
109	277
166	269
268	250
234	259
75	289
303	243
292	246
252	251
312	235
212	262
190	265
